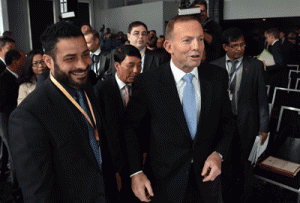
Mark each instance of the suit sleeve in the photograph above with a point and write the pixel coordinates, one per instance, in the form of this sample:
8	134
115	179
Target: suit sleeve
278	58
262	101
32	159
136	113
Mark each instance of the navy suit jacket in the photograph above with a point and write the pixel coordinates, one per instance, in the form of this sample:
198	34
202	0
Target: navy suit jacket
51	152
155	102
2	67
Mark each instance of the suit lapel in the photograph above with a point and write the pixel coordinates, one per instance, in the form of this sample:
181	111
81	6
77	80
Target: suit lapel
245	75
116	92
62	104
171	94
147	61
206	96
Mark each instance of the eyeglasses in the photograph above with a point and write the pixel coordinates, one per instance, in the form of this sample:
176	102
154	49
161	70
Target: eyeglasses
36	63
136	34
242	45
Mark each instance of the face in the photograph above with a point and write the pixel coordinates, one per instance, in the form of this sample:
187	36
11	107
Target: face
8	46
138	37
187	45
85	29
269	38
128	68
92	44
203	14
235	49
38	65
160	43
72	62
281	35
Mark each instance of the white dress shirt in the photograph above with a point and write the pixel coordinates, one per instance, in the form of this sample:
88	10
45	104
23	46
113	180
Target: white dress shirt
180	84
122	85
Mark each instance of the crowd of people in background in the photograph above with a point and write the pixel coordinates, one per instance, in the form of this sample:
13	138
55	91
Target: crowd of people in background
140	133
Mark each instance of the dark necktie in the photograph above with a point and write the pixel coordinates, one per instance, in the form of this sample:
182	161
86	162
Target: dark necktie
81	99
93	61
189	104
232	80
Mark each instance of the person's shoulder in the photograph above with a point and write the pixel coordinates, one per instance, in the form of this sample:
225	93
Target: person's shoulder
253	61
212	72
103	85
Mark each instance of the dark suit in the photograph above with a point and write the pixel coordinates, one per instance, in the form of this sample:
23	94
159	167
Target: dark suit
111	103
152	60
51	150
252	118
9	91
155	102
100	64
2	67
277	75
290	52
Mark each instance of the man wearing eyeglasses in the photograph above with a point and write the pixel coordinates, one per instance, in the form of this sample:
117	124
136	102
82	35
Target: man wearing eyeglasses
247	92
137	36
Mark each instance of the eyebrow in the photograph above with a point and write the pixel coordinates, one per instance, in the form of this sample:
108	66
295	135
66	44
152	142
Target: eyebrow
69	55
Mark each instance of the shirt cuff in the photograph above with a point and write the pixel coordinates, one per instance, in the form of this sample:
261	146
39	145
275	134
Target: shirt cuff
219	155
136	173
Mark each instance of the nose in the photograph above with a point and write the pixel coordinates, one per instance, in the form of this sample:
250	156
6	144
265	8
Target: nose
82	63
137	69
196	45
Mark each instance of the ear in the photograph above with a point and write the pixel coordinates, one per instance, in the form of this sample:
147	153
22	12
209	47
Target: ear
117	66
225	47
49	62
168	46
128	36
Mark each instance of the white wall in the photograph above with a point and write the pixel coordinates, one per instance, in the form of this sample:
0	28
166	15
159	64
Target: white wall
245	9
4	23
118	19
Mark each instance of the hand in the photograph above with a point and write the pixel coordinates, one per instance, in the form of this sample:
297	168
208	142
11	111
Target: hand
141	187
119	182
264	137
208	37
212	167
264	63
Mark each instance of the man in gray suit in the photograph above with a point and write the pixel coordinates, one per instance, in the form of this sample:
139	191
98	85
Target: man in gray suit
247	92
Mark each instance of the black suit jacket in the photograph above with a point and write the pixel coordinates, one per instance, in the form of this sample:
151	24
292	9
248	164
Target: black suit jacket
51	152
101	65
277	75
2	67
155	102
9	91
253	109
112	107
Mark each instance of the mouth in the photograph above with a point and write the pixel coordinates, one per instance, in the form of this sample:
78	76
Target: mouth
196	56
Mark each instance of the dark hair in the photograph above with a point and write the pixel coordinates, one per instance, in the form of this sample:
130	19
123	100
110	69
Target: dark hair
153	31
7	34
181	18
274	32
27	72
231	34
4	40
94	33
62	29
12	55
136	24
126	50
200	2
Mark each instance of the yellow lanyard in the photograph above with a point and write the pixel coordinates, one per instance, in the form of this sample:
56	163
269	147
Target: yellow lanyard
66	93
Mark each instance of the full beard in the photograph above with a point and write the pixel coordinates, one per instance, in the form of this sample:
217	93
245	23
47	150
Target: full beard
67	80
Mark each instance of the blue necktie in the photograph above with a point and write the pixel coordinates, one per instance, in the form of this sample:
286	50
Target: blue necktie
189	104
96	149
92	57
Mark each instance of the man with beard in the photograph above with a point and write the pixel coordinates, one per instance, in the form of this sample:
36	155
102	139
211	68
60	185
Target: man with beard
56	135
248	95
212	33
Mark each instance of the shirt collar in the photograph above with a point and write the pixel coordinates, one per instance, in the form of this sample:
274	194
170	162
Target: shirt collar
3	60
178	74
120	83
142	50
97	52
275	41
14	74
239	59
